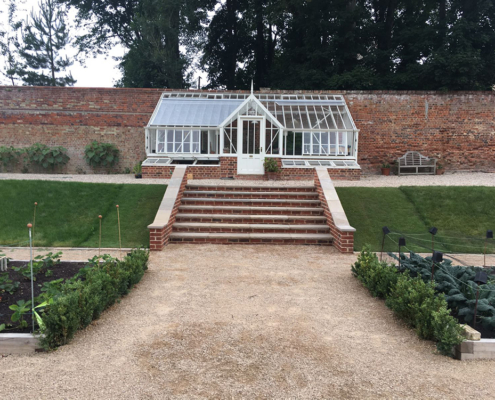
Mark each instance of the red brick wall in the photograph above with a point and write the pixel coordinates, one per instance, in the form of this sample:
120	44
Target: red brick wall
73	117
459	127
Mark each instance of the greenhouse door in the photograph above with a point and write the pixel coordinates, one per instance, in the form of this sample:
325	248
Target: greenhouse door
251	139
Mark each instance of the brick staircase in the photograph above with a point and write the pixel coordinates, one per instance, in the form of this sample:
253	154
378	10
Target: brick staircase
251	215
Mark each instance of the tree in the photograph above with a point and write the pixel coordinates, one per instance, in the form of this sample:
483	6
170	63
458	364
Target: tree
44	38
9	41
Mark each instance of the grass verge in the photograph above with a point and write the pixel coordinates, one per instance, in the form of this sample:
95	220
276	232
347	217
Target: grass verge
67	213
461	214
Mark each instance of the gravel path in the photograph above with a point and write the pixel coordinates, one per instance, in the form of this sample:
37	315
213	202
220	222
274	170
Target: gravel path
90	178
455	179
246	322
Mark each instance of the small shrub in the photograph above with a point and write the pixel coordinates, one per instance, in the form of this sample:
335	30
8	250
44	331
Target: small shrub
378	277
81	301
99	154
271	165
47	157
447	331
9	157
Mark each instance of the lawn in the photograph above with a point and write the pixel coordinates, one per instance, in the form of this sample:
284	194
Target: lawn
67	213
461	214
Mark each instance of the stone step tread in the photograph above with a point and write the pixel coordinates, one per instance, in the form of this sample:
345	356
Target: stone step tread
255	216
232	192
309	187
222	235
249	226
240	208
211	199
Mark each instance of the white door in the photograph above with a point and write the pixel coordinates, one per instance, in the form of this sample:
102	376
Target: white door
251	139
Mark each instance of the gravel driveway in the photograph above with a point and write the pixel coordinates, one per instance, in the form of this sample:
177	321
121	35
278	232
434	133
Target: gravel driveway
246	322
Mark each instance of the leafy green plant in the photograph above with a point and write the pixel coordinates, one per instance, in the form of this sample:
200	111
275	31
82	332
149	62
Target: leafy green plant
271	165
20	309
99	154
47	157
9	156
7	285
41	265
385	165
137	169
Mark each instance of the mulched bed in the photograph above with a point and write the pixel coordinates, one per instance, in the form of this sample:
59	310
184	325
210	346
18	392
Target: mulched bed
63	270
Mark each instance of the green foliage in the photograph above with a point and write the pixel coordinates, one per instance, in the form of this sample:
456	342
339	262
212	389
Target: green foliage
41	265
101	154
9	156
271	165
79	302
20	309
7	285
378	277
47	157
411	298
44	38
137	169
458	286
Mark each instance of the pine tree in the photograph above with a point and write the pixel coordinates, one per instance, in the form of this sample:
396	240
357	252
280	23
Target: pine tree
44	39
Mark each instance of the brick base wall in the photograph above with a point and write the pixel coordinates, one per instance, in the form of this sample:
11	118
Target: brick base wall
228	169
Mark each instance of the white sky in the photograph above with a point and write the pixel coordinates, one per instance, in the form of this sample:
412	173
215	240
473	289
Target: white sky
101	71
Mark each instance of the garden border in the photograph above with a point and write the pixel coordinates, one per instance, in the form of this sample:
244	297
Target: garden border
19	343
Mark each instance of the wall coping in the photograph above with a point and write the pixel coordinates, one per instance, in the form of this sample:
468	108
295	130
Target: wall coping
167	205
262	91
334	205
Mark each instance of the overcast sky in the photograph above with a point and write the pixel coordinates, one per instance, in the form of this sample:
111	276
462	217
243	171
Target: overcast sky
98	72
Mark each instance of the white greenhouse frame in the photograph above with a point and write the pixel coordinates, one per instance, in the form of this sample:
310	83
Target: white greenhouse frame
295	126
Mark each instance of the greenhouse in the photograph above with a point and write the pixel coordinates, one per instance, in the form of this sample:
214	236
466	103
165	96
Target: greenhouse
303	130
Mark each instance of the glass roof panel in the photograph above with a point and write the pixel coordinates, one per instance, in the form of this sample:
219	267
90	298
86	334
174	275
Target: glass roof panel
292	111
193	112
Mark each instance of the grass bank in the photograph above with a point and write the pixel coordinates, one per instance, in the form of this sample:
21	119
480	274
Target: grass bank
67	212
461	214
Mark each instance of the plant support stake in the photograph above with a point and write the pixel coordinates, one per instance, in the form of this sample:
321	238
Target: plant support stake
120	241
99	243
385	231
34	217
31	262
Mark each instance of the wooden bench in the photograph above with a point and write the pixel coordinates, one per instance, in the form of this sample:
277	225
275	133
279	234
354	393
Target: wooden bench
415	163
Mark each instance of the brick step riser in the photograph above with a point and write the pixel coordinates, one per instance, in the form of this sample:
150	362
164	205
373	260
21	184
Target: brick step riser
250	189
227	220
247	203
281	196
247	230
251	212
311	242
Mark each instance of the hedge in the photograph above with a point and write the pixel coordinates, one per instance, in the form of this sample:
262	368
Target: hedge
82	300
412	300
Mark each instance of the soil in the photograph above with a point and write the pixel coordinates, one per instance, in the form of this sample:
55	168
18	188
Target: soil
63	270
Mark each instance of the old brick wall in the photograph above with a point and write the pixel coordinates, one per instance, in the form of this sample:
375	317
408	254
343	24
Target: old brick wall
456	127
73	117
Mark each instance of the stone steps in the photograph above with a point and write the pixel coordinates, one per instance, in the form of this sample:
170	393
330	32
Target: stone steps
200	209
323	239
250	202
253	219
251	215
226	194
248	228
